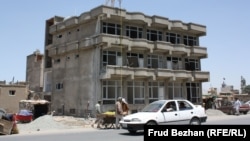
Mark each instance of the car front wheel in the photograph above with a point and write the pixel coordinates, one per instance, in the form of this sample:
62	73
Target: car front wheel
151	123
195	121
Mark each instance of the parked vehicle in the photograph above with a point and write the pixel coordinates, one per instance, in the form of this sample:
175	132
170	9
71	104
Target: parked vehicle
24	116
163	112
248	102
7	123
2	112
228	108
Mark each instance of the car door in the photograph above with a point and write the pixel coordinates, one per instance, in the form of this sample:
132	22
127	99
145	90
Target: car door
185	110
170	116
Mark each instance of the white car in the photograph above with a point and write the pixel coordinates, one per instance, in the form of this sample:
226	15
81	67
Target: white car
163	112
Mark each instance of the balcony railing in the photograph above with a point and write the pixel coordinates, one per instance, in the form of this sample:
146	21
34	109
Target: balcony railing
114	72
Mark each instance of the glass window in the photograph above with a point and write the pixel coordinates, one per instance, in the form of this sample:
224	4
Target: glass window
12	92
136	92
190	40
110	58
133	59
154	90
193	92
175	90
133	32
192	64
111	90
111	28
155	61
174	63
154	35
173	38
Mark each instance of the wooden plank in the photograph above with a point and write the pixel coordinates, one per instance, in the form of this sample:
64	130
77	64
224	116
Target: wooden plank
6	126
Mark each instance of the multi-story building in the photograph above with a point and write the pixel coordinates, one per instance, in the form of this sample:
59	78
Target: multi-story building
108	52
34	74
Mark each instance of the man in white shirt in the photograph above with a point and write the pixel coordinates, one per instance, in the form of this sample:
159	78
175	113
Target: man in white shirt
97	111
237	105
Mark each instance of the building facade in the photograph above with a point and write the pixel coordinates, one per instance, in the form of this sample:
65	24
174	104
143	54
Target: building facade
11	94
34	74
108	52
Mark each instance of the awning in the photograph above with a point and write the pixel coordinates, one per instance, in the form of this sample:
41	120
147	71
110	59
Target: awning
34	102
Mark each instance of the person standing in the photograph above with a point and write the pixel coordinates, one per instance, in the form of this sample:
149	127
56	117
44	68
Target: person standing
118	112
237	105
97	112
125	107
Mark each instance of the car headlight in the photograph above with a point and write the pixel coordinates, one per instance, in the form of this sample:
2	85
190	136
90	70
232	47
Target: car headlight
135	120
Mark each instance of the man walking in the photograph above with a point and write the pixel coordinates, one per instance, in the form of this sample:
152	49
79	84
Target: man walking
118	112
237	105
97	111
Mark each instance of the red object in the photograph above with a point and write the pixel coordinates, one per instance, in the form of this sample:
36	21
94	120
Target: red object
22	118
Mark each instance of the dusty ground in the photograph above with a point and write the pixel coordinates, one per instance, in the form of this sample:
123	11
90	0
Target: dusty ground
72	121
59	123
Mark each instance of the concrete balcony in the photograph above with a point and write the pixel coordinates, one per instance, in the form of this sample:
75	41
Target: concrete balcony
183	75
136	17
197	51
67	23
70	22
162	74
87	43
144	73
72	46
202	76
177	25
161	22
139	44
60	26
160	47
53	29
49	46
196	29
124	72
181	49
59	50
174	75
114	42
117	72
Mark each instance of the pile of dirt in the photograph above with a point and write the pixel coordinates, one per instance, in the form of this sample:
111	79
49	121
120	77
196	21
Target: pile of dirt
48	122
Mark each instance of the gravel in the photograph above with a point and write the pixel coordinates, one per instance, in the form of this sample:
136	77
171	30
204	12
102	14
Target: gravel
48	122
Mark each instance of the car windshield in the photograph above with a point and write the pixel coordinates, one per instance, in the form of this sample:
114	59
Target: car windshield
153	107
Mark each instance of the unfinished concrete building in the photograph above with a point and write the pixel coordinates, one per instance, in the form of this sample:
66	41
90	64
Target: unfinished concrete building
109	52
34	74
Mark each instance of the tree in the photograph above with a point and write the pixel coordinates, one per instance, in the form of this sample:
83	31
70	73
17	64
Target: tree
246	89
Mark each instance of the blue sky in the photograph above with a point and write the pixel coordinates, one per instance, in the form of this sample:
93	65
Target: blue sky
227	21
